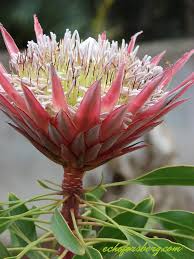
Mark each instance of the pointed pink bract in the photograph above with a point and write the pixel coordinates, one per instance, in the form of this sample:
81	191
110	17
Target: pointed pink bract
113	122
65	125
78	145
170	72
190	78
132	42
112	96
5	104
11	91
68	156
92	152
37	27
35	108
9	42
58	96
142	97
169	108
88	113
92	136
55	136
155	60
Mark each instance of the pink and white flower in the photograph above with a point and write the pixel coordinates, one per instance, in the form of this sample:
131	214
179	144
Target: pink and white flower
82	103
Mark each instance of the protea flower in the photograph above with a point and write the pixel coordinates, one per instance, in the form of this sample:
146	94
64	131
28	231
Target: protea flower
82	103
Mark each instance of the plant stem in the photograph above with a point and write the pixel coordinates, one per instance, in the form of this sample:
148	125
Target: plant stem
76	228
71	187
111	240
121	183
90	223
42	227
12	249
35	198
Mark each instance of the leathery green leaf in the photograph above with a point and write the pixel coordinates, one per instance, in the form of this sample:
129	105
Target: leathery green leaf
172	175
64	235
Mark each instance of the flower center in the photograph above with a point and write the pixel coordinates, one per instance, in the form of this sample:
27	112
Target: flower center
78	65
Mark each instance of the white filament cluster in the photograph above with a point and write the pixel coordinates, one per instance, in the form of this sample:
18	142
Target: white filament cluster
78	64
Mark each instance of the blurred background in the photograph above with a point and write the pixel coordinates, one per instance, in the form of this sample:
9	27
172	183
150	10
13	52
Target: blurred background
159	19
167	24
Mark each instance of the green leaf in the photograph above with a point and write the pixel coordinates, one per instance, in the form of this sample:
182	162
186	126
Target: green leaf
177	220
4	226
141	247
173	175
180	221
3	251
64	235
128	219
98	192
155	248
184	241
94	213
145	206
86	233
125	203
91	253
26	227
133	220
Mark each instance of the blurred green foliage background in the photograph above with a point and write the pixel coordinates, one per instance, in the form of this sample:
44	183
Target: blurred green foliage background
120	18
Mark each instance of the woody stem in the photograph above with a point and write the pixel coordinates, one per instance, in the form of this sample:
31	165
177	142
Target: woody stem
71	187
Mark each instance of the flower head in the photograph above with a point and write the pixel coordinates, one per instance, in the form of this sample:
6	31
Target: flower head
82	103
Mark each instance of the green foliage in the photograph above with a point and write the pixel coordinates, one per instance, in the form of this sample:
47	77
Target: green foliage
125	203
174	175
4	222
153	248
98	191
93	212
179	221
171	220
22	232
108	230
128	219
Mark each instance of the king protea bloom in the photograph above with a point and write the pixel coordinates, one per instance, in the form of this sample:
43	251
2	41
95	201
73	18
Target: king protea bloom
82	103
